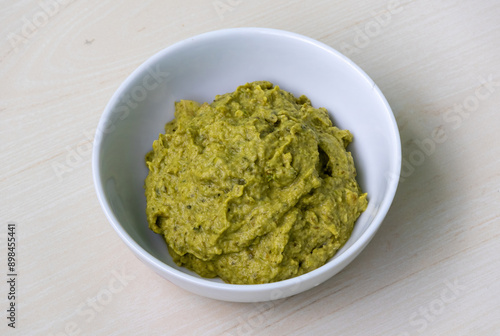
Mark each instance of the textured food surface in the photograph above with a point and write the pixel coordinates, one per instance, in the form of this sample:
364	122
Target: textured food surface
255	187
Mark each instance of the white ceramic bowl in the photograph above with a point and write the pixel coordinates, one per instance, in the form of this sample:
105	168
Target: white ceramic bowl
215	63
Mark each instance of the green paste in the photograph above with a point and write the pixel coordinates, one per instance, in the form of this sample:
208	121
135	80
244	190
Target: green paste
255	187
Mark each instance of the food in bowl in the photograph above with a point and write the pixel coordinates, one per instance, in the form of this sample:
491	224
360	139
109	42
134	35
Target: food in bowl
255	187
304	65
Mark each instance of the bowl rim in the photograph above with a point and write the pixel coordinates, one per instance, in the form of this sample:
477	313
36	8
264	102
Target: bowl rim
329	267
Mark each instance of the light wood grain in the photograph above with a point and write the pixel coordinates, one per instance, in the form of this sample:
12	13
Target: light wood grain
439	238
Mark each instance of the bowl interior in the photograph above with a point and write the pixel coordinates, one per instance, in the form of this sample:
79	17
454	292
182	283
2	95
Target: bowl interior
216	63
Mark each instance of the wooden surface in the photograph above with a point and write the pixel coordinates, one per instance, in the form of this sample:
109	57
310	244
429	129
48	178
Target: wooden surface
432	269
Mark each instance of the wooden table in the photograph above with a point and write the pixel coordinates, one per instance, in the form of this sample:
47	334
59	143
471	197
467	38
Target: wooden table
432	269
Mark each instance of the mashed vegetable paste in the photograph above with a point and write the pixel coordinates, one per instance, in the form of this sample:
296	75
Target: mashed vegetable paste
255	187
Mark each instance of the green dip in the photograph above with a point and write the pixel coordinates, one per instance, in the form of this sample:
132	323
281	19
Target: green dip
255	187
